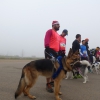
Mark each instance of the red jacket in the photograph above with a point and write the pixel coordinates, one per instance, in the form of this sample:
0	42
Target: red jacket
62	43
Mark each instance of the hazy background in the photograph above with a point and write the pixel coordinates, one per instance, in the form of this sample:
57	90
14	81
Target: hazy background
23	23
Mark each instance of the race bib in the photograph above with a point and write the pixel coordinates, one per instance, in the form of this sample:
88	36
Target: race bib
84	52
62	45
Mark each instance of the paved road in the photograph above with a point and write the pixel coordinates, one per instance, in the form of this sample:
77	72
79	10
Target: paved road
10	72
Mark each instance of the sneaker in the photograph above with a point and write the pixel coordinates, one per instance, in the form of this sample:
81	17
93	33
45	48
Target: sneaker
75	77
49	88
90	71
52	83
79	76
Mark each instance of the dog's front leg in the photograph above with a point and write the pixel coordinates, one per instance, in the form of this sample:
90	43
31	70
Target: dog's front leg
60	93
85	79
93	70
72	74
56	89
99	71
67	75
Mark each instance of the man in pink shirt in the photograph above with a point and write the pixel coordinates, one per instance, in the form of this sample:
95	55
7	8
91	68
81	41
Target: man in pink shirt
49	52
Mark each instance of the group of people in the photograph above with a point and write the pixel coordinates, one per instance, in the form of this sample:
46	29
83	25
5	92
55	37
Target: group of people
83	50
55	46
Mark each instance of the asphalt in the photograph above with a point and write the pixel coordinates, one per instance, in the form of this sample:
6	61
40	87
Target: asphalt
10	73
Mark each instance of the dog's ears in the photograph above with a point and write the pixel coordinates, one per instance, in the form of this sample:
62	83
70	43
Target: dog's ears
70	53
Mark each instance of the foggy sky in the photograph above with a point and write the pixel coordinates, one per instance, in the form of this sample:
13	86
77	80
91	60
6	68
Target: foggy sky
23	23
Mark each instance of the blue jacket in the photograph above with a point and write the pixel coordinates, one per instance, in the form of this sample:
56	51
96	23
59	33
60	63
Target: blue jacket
83	51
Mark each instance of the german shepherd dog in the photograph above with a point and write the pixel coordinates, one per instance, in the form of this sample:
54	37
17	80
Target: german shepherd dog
44	67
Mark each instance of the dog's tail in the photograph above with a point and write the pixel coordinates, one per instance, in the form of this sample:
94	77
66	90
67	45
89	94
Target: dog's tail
21	85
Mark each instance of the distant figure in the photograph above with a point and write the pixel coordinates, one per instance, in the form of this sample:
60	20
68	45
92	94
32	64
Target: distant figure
87	46
96	50
98	55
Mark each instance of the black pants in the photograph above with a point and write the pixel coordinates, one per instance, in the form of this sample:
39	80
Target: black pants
91	58
61	53
84	58
50	52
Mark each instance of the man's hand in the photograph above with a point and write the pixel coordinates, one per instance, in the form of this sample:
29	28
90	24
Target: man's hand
47	49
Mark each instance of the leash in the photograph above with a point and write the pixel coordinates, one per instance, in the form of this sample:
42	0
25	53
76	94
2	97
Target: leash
52	57
72	64
49	54
56	73
77	69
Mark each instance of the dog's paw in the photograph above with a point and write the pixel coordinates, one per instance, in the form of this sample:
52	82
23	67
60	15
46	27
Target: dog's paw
84	82
32	97
59	99
60	93
66	78
71	78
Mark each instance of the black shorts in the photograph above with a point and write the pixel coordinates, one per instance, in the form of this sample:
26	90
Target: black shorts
91	58
49	53
62	53
84	58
